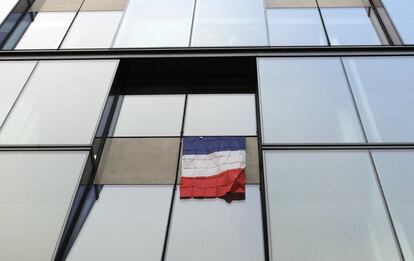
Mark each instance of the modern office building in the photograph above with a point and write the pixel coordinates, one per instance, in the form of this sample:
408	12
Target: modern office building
96	97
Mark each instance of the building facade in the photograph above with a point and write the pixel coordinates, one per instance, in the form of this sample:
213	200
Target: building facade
96	97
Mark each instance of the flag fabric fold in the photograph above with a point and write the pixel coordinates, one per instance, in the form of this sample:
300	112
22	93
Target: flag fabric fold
213	167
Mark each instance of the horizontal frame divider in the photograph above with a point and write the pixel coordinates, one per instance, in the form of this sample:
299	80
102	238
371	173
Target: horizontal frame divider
333	146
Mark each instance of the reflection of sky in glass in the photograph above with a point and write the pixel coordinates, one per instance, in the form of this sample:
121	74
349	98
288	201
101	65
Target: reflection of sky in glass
402	15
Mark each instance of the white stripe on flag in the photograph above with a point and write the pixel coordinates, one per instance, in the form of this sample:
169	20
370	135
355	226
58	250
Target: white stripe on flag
213	163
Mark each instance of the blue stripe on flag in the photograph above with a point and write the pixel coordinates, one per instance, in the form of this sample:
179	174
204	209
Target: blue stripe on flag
207	145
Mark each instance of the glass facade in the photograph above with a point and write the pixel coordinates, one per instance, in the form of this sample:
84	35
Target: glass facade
97	99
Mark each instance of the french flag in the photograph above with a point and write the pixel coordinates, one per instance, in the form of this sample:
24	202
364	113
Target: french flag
213	167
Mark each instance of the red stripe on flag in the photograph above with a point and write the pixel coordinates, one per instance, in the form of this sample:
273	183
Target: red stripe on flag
229	185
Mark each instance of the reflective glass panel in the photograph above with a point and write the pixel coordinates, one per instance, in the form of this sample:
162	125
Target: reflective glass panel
156	23
61	104
95	29
384	92
306	100
126	223
229	23
212	229
402	15
395	169
295	26
36	192
326	205
5	7
349	26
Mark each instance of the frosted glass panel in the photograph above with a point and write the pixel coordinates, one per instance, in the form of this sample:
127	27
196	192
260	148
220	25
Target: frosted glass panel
328	206
126	223
349	26
295	26
384	92
156	23
61	103
306	100
95	29
150	115
36	192
211	229
402	15
229	23
46	31
220	114
5	8
13	76
395	169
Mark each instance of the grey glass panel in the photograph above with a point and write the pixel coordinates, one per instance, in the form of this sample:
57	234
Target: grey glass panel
402	15
5	7
139	161
229	23
295	26
349	26
326	206
395	169
156	23
61	103
384	92
126	223
306	100
36	192
211	229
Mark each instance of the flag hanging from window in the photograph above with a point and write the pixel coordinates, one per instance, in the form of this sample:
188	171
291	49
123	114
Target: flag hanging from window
213	167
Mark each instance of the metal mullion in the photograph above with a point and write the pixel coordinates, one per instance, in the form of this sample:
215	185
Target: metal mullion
167	231
323	23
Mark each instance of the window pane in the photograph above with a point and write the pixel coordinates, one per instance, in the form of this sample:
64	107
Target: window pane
384	92
5	8
306	100
104	5
36	192
395	169
220	114
150	115
94	29
13	76
46	31
56	5
215	230
157	23
349	26
139	161
328	206
402	15
229	23
126	223
295	26
61	103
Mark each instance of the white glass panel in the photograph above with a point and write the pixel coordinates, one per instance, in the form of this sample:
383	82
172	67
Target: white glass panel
5	8
126	223
306	100
402	15
212	229
13	76
220	114
61	103
384	92
46	31
349	26
295	26
150	115
156	23
95	29
395	169
229	23
326	206
36	192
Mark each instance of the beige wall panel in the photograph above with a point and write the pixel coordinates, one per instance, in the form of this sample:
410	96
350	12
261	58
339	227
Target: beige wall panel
104	5
56	5
252	162
343	3
290	3
138	161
